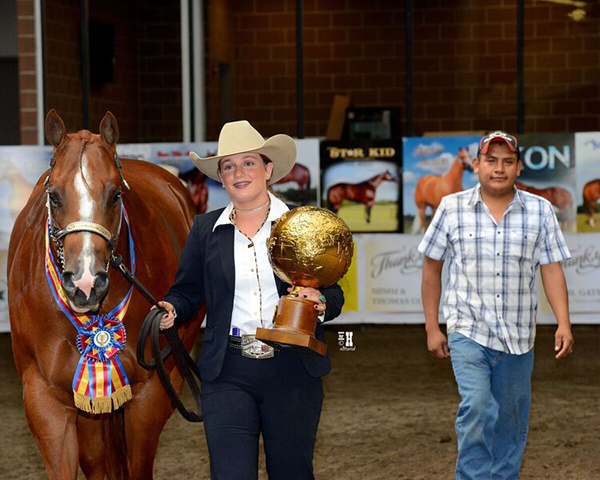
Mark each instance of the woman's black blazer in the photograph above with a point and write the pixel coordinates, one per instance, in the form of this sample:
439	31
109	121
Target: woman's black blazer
207	273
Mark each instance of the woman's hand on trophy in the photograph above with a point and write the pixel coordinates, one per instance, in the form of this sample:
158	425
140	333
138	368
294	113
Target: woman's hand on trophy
167	320
313	295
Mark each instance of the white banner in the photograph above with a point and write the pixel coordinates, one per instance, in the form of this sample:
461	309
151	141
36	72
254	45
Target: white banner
384	285
388	282
393	274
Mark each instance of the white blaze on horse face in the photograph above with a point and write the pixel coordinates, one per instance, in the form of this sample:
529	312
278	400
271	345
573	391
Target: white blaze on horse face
86	282
86	210
86	202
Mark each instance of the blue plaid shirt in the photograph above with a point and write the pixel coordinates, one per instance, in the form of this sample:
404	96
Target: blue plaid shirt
491	295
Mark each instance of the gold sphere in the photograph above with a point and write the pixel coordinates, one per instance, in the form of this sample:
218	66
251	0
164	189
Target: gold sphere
310	247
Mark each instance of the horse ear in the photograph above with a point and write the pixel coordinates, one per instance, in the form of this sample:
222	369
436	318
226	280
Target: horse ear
54	128
109	130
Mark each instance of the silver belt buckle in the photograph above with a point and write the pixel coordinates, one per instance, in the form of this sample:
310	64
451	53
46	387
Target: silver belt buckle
253	348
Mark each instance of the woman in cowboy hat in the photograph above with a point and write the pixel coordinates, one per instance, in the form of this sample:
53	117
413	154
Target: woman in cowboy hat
247	387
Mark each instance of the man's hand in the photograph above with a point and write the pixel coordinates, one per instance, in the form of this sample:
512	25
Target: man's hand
437	344
563	342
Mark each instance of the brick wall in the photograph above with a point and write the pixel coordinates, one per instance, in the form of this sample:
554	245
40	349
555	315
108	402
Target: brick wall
27	72
562	69
62	70
465	72
146	94
465	63
159	37
122	96
465	66
219	48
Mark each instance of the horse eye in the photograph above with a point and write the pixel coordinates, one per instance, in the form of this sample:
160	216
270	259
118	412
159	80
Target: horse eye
54	200
117	197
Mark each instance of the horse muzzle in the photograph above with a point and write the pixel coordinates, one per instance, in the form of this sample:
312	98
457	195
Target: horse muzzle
84	298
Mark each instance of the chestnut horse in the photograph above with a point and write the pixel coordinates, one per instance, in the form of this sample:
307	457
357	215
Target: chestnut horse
561	200
84	191
591	194
300	175
363	192
196	184
431	188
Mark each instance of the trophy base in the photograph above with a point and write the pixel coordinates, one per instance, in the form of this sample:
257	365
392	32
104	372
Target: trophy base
288	339
294	324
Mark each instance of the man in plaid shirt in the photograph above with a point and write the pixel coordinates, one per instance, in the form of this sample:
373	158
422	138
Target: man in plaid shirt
494	238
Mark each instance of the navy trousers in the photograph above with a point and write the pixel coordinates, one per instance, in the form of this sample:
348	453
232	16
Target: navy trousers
276	397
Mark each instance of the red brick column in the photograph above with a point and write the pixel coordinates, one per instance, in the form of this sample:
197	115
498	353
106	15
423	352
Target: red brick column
27	71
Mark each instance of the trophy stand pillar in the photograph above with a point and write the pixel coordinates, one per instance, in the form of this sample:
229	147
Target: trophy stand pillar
293	327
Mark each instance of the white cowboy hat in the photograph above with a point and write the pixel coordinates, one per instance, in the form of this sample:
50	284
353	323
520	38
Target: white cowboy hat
241	137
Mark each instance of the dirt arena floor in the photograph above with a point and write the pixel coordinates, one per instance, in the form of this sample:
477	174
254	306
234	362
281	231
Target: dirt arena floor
388	414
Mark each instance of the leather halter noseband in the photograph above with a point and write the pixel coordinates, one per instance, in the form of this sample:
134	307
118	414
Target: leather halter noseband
58	234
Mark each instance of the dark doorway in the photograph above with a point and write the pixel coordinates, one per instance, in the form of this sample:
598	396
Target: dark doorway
9	75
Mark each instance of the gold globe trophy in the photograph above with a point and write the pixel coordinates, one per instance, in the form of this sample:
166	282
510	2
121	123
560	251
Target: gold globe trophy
308	247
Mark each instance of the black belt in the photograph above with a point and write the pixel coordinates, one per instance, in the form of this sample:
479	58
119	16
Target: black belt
235	342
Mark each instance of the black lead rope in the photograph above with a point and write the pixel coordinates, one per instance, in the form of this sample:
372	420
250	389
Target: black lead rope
186	364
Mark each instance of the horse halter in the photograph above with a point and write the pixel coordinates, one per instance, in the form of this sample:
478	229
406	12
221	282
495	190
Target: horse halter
58	234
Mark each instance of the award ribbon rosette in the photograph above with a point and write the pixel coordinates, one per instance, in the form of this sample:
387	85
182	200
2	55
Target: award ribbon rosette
100	384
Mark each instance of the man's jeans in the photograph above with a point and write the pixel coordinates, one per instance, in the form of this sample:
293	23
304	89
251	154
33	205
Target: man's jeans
492	419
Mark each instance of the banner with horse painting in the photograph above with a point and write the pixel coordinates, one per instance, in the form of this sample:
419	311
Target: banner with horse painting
207	194
20	168
434	167
587	160
301	185
361	184
549	171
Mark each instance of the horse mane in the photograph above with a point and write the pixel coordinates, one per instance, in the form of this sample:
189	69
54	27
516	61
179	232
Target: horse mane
375	177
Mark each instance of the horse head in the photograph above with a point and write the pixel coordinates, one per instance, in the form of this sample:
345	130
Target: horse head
388	176
465	159
84	207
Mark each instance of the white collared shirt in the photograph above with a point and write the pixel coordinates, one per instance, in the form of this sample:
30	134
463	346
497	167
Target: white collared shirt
248	286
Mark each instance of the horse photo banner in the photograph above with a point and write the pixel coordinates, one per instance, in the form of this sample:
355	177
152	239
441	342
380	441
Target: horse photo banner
383	285
361	183
20	169
549	171
301	186
433	167
587	171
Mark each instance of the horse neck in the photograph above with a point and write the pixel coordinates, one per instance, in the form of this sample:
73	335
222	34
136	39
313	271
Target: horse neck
455	172
376	181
